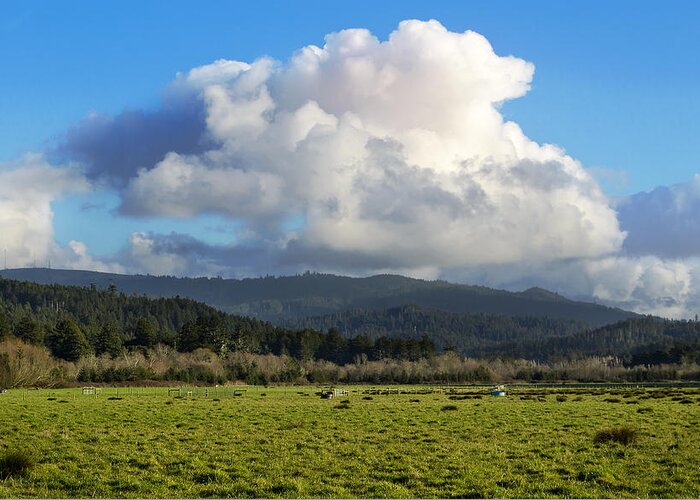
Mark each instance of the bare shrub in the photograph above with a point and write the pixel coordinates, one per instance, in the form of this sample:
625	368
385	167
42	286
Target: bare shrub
27	365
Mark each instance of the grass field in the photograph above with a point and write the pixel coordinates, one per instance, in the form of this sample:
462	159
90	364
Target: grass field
288	442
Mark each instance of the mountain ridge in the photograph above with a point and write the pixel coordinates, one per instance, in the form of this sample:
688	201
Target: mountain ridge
278	299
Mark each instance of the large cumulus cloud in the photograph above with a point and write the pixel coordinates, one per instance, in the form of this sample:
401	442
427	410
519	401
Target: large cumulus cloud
364	156
389	151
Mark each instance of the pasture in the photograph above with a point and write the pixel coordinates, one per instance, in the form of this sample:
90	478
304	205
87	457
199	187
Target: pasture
288	442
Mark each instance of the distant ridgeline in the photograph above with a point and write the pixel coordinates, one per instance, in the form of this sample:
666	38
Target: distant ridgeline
282	299
73	321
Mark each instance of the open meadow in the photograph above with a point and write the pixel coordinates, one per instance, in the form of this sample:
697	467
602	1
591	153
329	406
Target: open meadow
288	442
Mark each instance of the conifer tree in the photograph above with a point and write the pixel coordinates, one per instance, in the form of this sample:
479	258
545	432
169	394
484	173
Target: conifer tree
4	326
108	341
67	341
145	333
29	330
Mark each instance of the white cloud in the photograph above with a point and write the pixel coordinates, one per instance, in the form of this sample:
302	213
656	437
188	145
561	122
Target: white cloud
393	157
644	284
648	284
183	187
27	189
174	255
389	150
148	259
75	255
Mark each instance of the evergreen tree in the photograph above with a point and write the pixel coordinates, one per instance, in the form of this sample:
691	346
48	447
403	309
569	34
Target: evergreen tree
67	341
212	333
4	326
189	338
29	330
108	341
427	347
145	333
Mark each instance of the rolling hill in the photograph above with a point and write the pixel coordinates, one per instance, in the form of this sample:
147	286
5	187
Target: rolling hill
35	313
279	299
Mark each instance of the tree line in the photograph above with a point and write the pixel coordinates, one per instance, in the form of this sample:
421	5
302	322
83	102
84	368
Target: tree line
93	335
73	322
643	340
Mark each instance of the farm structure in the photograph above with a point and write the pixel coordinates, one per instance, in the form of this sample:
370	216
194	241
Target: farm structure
333	392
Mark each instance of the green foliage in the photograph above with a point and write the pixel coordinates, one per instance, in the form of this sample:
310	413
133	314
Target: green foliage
83	320
67	341
189	337
640	341
145	333
28	330
4	326
112	374
108	341
475	335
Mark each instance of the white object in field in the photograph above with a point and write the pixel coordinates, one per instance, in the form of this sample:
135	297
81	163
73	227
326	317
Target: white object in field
499	391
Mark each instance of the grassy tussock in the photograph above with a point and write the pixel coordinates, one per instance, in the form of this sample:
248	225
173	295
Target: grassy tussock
15	463
623	435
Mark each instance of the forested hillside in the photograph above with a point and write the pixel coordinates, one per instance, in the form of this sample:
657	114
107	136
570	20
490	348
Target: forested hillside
475	335
641	340
109	320
107	336
278	299
75	321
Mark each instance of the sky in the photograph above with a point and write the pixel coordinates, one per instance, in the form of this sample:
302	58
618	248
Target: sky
503	143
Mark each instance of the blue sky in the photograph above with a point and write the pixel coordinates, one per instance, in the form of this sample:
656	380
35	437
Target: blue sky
615	85
615	82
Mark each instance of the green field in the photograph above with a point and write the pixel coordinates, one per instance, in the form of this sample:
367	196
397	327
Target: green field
288	442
